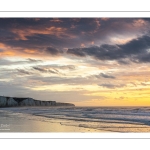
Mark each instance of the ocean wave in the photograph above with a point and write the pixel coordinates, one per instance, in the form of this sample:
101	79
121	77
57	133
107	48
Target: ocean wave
109	117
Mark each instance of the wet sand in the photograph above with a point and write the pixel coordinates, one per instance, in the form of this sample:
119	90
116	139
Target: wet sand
17	122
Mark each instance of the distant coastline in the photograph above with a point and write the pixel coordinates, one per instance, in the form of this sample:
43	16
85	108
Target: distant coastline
6	101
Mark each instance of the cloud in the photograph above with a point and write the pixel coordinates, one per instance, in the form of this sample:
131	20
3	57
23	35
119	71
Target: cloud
50	35
23	71
53	71
136	50
33	60
124	61
40	69
54	67
145	84
112	86
104	76
43	70
6	62
53	51
68	67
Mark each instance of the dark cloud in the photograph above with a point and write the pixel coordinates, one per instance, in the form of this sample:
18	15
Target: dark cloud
136	46
53	71
136	50
52	51
23	71
43	70
104	52
124	61
104	76
40	69
54	34
33	60
56	67
145	58
112	86
9	23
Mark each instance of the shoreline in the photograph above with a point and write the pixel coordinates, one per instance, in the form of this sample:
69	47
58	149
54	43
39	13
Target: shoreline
77	120
19	122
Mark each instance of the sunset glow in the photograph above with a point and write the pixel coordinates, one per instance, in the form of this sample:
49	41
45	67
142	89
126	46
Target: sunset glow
85	61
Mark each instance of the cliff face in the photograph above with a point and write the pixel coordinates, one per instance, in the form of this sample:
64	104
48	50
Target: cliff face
14	101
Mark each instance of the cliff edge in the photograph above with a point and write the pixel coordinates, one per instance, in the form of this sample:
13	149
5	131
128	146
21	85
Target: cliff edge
16	101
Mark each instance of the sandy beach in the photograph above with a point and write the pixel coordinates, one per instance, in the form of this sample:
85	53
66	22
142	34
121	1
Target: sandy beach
17	122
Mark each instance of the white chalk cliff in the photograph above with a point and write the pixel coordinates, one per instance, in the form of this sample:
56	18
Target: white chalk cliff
15	101
2	101
11	102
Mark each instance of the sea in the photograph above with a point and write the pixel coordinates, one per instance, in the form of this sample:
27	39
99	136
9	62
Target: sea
98	119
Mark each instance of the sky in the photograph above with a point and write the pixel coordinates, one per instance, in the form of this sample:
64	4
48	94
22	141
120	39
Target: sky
84	61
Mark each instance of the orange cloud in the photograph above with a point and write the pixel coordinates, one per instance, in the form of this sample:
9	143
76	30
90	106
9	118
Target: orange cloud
105	19
139	23
11	52
31	31
82	45
30	51
2	45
